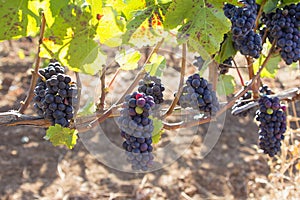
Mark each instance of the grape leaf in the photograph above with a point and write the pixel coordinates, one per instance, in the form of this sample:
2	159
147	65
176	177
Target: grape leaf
270	6
287	2
96	9
271	67
59	135
227	50
126	8
18	20
128	60
156	66
204	26
177	12
157	131
226	84
84	58
136	22
108	30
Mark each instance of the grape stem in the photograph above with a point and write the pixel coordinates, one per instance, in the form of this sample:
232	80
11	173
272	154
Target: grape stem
259	14
24	104
100	105
181	82
239	73
213	74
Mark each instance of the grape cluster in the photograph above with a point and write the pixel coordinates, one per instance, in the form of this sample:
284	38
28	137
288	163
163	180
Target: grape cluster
224	67
198	94
243	18
272	125
55	95
136	129
283	25
152	86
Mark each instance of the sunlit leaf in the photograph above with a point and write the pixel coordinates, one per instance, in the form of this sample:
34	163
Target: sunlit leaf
156	66
59	135
128	60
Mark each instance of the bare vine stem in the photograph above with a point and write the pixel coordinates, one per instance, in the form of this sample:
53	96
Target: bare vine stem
181	82
24	105
239	73
100	106
114	78
259	14
213	74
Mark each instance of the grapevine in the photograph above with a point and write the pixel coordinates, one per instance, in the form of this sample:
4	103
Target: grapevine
76	34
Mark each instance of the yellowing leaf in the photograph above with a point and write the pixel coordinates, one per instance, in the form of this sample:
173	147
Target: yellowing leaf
128	60
59	135
108	30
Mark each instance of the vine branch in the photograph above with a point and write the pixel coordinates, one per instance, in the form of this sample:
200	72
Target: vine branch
181	82
100	106
24	104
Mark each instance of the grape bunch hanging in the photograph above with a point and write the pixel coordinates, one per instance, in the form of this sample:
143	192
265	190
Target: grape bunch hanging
283	26
272	125
198	94
136	128
55	95
243	19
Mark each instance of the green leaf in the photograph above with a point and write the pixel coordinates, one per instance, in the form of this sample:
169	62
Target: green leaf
226	85
59	135
227	50
19	18
158	129
128	60
270	6
177	12
156	66
88	58
88	109
271	67
203	26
